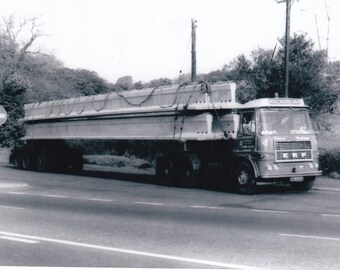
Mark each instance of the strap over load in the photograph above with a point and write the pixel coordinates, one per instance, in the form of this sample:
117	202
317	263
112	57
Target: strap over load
199	96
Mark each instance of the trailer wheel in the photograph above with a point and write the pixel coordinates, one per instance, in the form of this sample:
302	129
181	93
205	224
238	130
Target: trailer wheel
28	162
41	162
244	179
187	175
305	185
164	171
18	160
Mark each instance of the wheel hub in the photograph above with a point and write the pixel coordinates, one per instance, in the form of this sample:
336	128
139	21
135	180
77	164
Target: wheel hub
243	177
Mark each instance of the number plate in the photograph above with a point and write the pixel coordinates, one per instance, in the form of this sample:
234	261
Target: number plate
296	179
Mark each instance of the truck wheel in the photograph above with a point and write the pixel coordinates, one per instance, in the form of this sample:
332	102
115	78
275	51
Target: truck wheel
164	171
28	162
186	174
305	185
245	182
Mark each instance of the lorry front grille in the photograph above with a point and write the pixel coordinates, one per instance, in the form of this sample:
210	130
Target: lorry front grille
293	151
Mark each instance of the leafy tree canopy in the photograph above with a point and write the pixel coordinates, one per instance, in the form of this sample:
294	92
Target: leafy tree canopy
160	82
124	83
263	74
27	75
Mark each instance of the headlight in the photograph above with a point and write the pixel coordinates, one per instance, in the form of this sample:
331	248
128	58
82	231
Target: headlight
269	167
276	167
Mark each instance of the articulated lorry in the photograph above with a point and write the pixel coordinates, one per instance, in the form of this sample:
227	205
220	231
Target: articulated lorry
216	138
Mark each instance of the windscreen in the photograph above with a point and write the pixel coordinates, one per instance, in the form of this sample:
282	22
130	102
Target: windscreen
284	121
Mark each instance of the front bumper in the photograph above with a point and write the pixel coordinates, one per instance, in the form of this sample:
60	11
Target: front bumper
288	175
268	170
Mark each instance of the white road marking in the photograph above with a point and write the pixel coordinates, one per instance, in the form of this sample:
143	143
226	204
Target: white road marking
310	237
54	196
327	189
17	193
269	211
12	207
101	200
59	196
150	203
132	252
19	240
11	185
330	215
206	207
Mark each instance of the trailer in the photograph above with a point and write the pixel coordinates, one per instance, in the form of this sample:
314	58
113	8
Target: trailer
216	138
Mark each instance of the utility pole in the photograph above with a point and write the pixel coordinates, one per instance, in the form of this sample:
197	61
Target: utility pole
193	50
287	41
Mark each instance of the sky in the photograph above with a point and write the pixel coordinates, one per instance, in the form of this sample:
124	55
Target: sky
150	39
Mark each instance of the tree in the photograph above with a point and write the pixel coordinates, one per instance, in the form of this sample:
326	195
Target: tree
50	80
139	85
124	83
239	69
307	67
159	82
13	81
216	76
333	73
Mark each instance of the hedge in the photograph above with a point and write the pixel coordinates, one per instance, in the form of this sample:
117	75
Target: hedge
329	160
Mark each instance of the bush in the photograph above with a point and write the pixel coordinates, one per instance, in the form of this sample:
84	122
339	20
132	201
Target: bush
329	160
116	161
147	150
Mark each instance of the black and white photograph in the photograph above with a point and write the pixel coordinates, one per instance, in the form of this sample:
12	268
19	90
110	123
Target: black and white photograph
170	134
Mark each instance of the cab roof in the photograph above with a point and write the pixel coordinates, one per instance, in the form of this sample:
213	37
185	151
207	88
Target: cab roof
275	102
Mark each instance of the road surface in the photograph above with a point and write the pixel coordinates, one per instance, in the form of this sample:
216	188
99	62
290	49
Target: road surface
64	220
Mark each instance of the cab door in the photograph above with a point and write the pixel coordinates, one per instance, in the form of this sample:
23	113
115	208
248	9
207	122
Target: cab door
246	134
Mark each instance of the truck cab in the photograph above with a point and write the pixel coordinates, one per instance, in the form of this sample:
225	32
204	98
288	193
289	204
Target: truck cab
277	140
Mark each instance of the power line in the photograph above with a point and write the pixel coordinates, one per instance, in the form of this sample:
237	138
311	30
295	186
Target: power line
287	41
325	13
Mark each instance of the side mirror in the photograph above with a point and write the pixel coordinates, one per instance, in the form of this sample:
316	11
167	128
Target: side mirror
253	126
3	115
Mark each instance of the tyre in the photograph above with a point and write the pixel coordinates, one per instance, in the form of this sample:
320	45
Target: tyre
28	162
187	175
305	185
164	171
11	158
244	179
18	160
41	162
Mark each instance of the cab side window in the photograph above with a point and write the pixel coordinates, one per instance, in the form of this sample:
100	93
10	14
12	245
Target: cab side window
248	122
